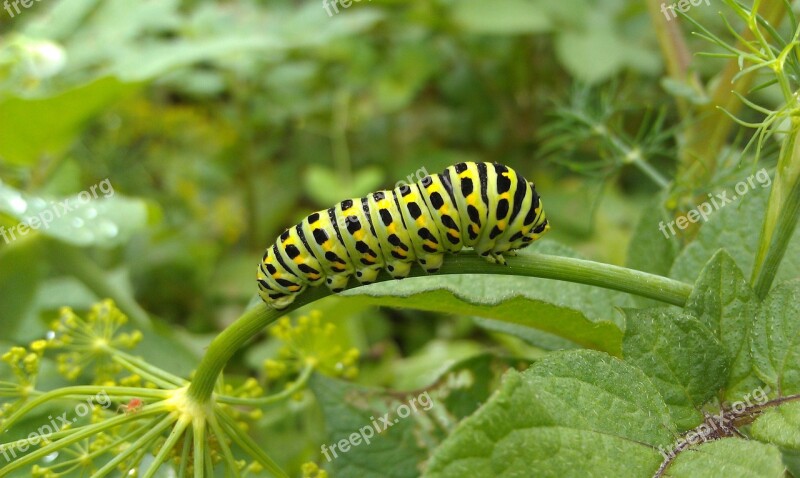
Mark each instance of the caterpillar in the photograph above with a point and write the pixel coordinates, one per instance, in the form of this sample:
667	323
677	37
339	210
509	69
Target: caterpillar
486	206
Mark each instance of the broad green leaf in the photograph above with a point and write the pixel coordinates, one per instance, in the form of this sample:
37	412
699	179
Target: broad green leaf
431	361
583	314
736	227
779	426
724	302
726	458
598	50
316	182
775	340
318	179
351	414
650	249
21	271
681	356
33	127
576	413
469	383
536	337
95	216
502	17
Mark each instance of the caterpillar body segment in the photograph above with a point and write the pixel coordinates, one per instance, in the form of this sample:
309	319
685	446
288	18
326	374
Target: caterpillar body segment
486	206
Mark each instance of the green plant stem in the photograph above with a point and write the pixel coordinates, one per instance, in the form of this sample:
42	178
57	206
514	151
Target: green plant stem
651	172
295	386
706	137
780	219
676	53
568	269
81	391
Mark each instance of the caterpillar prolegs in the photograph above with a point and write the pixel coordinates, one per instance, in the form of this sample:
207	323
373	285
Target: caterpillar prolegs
486	206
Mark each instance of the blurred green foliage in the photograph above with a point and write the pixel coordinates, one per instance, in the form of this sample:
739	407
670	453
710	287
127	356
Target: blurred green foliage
221	123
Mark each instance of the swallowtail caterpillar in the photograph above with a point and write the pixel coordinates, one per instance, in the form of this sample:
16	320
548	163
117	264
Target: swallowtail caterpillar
486	206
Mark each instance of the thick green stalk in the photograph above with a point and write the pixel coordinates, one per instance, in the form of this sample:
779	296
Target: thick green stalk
780	219
532	265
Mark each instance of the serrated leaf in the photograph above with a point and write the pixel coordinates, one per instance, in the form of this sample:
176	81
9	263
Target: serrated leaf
582	314
724	302
775	340
348	408
726	458
681	356
576	413
736	227
779	426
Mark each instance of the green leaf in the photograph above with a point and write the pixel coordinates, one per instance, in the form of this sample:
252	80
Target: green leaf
775	341
726	458
35	127
599	50
394	452
736	227
21	271
779	426
650	250
681	356
576	413
318	183
431	361
583	314
469	383
535	337
96	216
503	17
725	303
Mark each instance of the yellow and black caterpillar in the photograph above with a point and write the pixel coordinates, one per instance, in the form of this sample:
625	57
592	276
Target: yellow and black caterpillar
486	206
